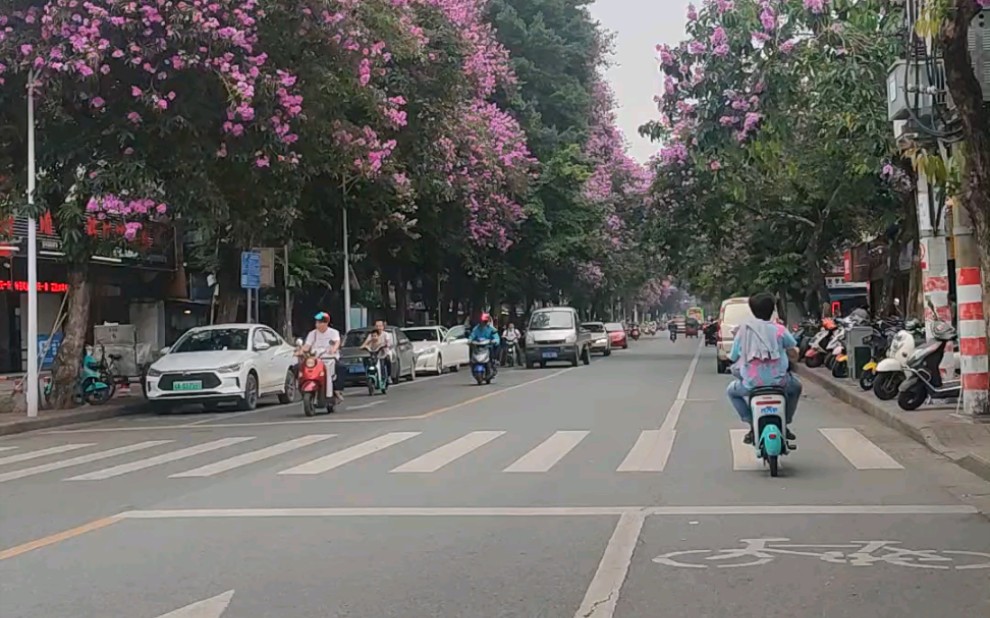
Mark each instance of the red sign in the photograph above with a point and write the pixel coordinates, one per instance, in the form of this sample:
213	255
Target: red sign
847	266
53	287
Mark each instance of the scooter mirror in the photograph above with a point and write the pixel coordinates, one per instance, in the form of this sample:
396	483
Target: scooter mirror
897	302
299	343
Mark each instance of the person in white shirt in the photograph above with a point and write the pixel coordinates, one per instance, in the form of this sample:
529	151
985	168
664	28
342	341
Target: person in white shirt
324	342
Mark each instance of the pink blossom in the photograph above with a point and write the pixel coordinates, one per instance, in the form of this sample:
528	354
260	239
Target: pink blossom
816	6
97	102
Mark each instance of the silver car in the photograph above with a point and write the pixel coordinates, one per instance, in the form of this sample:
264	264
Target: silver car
352	356
555	334
600	341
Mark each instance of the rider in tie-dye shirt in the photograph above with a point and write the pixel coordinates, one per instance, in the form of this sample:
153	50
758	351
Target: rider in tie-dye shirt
765	372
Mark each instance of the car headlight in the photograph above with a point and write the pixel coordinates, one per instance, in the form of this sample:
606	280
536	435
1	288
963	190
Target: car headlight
153	373
428	351
570	339
530	338
230	368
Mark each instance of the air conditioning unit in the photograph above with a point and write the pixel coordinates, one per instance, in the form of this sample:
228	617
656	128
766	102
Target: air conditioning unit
910	91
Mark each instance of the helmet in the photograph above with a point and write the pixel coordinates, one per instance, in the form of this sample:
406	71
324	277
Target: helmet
485	318
322	316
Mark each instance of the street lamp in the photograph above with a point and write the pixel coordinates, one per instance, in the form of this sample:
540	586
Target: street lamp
31	387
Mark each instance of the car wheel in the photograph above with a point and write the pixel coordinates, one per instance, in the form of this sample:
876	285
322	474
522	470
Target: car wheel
574	361
439	364
586	357
608	352
250	399
289	394
625	346
412	373
396	372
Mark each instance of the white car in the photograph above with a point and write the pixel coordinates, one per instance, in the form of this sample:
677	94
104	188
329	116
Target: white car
437	349
226	363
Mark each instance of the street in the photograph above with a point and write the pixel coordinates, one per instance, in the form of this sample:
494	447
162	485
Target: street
617	489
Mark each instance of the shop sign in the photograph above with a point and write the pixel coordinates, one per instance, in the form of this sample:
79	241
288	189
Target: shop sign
51	287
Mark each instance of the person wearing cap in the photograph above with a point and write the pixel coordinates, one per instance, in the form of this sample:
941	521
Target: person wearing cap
324	342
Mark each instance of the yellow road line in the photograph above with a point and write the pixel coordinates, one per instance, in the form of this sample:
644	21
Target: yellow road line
58	537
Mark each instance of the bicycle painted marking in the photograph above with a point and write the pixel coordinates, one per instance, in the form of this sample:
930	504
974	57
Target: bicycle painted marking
756	552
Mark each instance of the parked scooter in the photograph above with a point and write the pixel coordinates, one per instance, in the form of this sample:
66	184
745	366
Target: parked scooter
312	378
767	405
92	386
482	367
879	342
374	374
891	370
924	378
816	353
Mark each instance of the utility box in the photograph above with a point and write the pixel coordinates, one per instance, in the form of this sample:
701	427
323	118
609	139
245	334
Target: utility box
909	89
858	350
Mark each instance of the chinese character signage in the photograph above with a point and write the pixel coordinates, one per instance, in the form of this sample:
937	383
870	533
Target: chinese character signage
51	287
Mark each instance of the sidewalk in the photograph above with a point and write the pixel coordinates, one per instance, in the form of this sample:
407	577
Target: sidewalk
963	441
12	422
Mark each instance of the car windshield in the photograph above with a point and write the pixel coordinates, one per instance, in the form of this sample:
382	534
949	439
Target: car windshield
551	320
594	327
614	327
422	334
213	340
355	338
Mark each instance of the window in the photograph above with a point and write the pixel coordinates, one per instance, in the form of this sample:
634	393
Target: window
355	338
212	340
271	338
552	320
594	327
259	339
457	332
613	327
400	337
422	334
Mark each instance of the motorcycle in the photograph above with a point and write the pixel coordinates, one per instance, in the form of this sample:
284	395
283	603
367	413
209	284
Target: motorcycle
891	370
924	378
816	352
711	334
511	352
767	405
482	367
879	342
94	386
673	333
634	333
374	374
312	377
835	346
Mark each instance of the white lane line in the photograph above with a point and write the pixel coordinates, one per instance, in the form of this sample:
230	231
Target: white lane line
351	453
443	455
570	511
66	463
364	406
41	453
141	464
859	451
252	457
603	592
649	453
674	414
548	452
7	448
214	607
743	455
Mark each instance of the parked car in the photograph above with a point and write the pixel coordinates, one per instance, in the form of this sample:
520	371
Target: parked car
555	334
225	363
438	349
352	356
616	335
599	338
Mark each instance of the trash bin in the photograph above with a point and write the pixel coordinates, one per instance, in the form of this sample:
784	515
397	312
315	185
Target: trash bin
858	350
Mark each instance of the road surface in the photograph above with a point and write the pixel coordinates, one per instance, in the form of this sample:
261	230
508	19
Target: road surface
620	489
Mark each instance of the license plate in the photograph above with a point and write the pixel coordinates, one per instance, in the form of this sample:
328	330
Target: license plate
769	411
187	385
355	369
549	355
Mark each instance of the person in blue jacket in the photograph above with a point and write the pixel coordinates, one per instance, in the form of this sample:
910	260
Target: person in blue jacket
484	330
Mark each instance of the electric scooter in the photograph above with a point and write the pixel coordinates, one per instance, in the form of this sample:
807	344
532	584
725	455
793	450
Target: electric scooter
767	405
482	367
374	373
312	378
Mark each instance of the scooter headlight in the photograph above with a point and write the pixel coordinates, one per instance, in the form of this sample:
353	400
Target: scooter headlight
311	362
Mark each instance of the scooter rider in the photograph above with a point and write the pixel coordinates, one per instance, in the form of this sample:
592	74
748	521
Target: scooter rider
761	355
510	337
485	331
324	342
379	340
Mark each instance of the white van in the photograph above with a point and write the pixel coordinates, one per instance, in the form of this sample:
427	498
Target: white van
734	311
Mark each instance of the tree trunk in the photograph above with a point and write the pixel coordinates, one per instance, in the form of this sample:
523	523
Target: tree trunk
68	362
230	294
401	301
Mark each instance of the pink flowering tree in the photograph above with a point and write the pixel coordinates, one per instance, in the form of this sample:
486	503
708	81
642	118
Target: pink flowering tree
772	123
132	99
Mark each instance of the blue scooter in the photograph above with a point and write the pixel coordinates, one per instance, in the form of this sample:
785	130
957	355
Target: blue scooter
482	367
92	387
766	406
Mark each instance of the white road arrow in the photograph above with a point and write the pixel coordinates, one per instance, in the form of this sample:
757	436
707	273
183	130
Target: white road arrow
208	608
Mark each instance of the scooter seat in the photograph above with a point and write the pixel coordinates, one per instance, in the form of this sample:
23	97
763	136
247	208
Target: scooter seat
766	390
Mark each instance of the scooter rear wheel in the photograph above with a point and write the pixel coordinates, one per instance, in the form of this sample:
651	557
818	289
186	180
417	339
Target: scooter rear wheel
886	384
814	362
773	462
912	398
867	380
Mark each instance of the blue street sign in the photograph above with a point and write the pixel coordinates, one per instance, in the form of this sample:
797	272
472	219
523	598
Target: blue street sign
47	357
250	270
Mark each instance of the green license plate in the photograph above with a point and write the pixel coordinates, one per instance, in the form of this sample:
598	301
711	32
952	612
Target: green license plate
188	385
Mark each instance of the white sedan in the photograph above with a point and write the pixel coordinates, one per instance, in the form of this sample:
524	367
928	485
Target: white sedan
226	363
437	349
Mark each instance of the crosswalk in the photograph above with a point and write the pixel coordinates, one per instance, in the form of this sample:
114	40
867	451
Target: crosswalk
318	454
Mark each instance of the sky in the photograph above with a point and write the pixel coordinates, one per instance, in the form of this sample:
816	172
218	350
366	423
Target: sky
638	26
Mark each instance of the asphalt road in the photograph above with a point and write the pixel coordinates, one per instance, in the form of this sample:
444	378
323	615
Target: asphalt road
611	490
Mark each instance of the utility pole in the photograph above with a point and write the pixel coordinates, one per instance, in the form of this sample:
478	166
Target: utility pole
969	307
934	259
347	273
31	388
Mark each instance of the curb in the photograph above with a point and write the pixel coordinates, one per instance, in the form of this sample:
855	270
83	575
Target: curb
925	435
98	414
